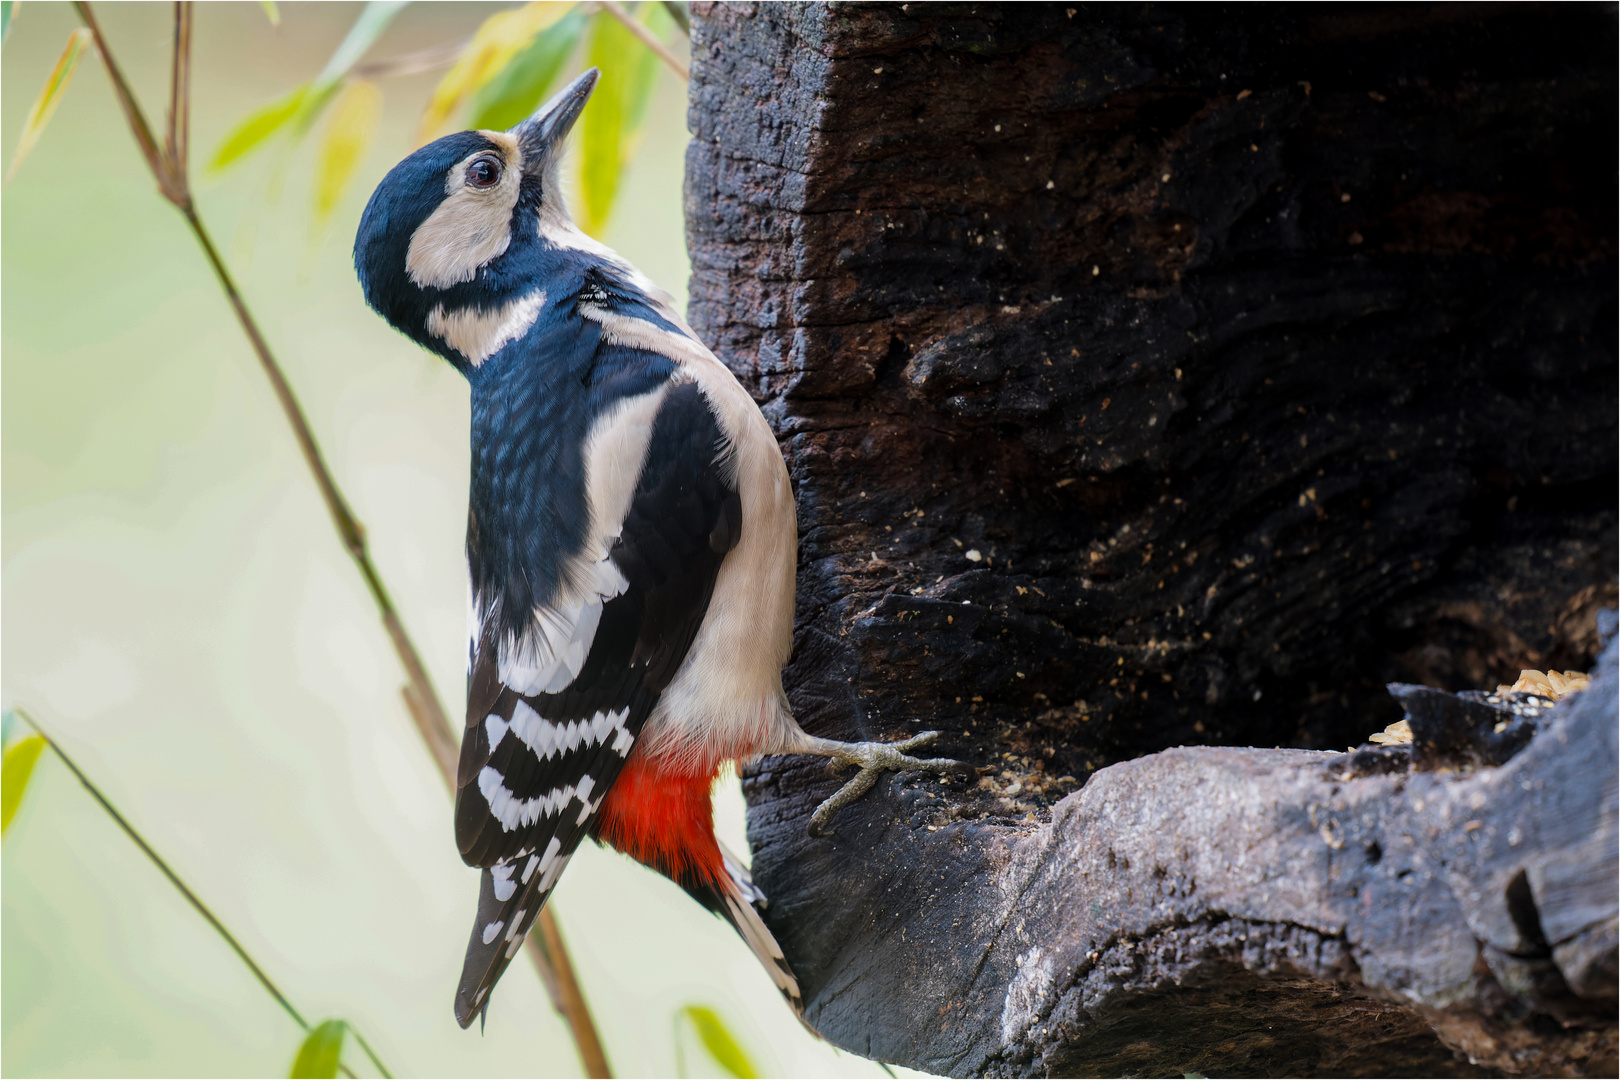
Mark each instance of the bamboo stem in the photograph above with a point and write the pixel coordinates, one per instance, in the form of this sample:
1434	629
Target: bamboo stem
185	890
176	149
549	943
556	972
132	112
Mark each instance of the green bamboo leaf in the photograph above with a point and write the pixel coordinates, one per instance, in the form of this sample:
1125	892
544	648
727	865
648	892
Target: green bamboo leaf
256	127
368	27
303	105
602	124
271	12
49	97
496	41
348	132
7	10
643	74
14	775
719	1042
322	1047
517	90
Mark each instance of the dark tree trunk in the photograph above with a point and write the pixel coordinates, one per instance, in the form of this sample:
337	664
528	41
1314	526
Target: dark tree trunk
1177	377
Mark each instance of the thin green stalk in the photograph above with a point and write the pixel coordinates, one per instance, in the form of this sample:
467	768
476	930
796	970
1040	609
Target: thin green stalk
185	890
372	1054
421	701
425	708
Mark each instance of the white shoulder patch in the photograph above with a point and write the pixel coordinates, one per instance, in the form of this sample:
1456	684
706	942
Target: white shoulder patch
615	451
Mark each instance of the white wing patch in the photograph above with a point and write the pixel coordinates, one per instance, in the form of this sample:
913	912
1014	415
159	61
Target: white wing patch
549	657
550	867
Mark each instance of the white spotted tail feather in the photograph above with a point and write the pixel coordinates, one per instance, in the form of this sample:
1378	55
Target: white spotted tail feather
739	901
510	896
742	904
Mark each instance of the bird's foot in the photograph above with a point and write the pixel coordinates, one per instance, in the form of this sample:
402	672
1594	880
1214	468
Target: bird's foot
874	759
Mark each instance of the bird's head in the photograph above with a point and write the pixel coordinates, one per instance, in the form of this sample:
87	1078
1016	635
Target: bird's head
450	247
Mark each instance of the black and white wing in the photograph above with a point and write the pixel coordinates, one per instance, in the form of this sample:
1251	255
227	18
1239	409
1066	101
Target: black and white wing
552	718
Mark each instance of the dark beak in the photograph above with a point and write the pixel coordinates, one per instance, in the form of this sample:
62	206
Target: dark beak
542	133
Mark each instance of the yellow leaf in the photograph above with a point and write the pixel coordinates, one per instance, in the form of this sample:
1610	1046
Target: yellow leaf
46	103
349	128
271	12
14	774
718	1041
512	96
256	127
610	125
499	39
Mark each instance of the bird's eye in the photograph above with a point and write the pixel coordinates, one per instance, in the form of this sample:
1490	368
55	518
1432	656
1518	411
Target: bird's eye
484	173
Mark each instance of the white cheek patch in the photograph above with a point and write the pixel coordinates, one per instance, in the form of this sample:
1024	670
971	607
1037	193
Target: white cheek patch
478	334
471	227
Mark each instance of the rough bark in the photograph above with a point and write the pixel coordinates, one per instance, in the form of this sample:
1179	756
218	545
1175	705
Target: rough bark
1158	376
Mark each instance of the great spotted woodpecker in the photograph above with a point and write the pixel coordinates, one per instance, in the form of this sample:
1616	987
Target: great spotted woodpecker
630	542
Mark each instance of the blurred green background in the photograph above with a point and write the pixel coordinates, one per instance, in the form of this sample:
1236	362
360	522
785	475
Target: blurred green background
178	610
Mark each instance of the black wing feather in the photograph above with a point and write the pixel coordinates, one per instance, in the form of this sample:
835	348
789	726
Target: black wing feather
683	518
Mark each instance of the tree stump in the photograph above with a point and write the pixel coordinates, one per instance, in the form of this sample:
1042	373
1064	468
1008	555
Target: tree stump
1176	377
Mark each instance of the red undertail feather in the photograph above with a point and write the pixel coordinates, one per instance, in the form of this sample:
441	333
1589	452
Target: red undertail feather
664	821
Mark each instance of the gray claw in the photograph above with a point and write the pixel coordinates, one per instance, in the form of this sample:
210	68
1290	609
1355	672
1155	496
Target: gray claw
874	759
